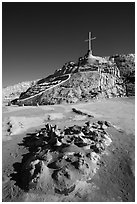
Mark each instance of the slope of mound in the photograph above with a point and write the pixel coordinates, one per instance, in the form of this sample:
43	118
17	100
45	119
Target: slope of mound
80	86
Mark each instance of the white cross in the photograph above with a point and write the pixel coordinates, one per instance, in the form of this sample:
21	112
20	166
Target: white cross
90	41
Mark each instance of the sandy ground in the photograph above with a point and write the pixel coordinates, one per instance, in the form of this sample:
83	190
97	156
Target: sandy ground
114	181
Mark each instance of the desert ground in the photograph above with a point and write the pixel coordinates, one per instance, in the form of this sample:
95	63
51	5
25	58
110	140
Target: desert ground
114	180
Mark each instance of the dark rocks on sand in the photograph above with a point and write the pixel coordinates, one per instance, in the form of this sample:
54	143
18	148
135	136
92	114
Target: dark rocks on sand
66	156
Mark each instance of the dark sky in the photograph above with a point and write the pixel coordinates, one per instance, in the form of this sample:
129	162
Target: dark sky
38	38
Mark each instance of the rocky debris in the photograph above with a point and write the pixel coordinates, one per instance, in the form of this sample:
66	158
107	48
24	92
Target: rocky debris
69	67
81	113
67	156
126	65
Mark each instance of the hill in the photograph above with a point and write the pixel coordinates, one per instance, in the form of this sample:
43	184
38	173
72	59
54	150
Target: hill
90	78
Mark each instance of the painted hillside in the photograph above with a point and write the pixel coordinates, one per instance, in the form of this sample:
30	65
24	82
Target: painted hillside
90	78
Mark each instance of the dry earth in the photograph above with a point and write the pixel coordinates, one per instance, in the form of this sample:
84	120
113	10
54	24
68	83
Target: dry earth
115	177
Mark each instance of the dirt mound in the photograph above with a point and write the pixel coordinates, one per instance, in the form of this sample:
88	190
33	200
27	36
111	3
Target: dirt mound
59	160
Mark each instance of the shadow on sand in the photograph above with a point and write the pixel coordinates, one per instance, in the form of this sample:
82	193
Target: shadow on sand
21	174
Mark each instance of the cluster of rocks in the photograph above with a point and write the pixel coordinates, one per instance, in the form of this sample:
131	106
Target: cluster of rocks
126	65
69	67
67	156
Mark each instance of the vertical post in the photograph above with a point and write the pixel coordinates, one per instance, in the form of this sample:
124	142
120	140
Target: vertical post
89	41
100	79
118	73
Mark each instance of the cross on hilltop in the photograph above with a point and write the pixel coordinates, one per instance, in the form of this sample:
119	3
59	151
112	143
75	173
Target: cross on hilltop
90	38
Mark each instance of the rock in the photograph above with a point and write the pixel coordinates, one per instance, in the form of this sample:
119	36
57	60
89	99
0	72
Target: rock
108	124
56	164
107	140
94	157
79	141
66	191
58	143
33	170
81	113
63	181
88	124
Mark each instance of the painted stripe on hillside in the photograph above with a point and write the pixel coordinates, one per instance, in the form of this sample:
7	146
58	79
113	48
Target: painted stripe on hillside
47	89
